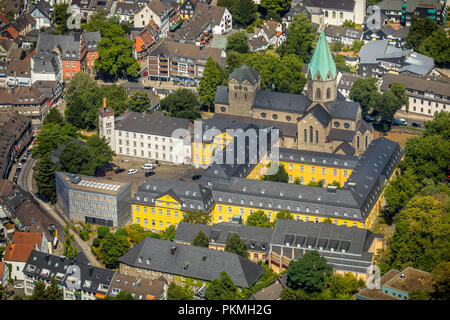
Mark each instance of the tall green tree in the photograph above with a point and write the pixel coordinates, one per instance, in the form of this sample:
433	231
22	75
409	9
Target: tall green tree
60	18
51	136
236	245
168	233
102	231
238	41
54	116
212	77
176	292
182	104
39	292
440	125
364	91
115	55
285	214
229	4
273	8
437	46
53	292
222	288
116	97
280	176
44	174
201	240
75	158
99	150
244	12
138	101
441	284
99	22
308	273
258	219
419	30
341	63
300	39
387	105
112	247
69	249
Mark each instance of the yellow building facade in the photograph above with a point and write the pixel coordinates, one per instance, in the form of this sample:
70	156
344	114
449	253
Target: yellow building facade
203	152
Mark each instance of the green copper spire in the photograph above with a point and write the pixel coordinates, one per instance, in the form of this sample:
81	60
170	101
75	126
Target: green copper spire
322	60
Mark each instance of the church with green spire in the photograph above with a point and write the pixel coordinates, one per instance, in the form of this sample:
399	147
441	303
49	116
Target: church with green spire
320	120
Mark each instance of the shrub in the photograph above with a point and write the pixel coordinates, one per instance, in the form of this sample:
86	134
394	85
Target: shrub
96	242
84	234
102	231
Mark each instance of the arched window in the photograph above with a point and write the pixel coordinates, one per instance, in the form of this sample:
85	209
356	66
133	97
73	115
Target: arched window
357	141
306	135
366	140
317	93
328	93
311	134
317	136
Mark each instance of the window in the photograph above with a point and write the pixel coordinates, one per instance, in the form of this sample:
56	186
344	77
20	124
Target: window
346	125
160	224
345	173
328	93
138	220
311	134
305	135
137	209
317	93
324	171
263	115
317	136
290	166
145	221
313	169
230	210
357	141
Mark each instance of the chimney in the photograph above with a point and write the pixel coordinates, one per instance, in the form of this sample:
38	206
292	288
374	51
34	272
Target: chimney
172	250
204	258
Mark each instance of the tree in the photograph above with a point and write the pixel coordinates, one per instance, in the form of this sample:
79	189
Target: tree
212	77
441	284
300	39
76	159
234	60
284	214
280	176
349	23
136	233
222	288
259	219
291	294
169	233
340	287
53	292
399	191
437	46
39	292
197	217
341	63
116	97
419	30
421	235
229	4
238	42
84	235
115	55
440	125
60	18
54	116
138	101
69	249
419	295
308	273
102	231
275	7
387	105
201	240
99	22
182	104
51	136
122	232
327	221
96	242
236	245
99	150
357	45
44	174
244	12
364	91
112	248
176	292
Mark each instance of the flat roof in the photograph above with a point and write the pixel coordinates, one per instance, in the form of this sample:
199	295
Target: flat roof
413	279
94	184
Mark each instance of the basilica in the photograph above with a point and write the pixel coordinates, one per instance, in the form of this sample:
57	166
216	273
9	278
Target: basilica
320	120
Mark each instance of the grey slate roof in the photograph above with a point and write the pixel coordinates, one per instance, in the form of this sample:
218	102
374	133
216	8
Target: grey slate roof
346	110
341	135
312	157
44	266
417	63
243	73
346	148
320	114
256	238
281	101
45	62
202	263
68	45
151	124
347	5
396	5
91	39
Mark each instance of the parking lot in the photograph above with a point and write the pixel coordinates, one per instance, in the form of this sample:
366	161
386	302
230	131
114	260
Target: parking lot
166	171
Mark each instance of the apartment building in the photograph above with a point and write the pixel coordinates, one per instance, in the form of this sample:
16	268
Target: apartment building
335	12
93	200
180	62
46	67
402	11
147	136
163	12
427	96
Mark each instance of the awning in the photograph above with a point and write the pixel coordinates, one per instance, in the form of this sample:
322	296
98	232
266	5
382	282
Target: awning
100	295
173	27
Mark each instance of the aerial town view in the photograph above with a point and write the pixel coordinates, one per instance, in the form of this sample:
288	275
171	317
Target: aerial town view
198	150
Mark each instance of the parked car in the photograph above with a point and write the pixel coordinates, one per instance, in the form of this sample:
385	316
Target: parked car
196	177
148	166
145	73
369	118
24	159
19	165
15	179
19	286
18	170
119	170
132	171
10	293
417	125
400	122
149	173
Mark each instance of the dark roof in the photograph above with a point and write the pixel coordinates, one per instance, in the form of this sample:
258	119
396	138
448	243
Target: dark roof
281	101
202	263
330	4
314	157
341	135
346	110
243	73
346	148
320	114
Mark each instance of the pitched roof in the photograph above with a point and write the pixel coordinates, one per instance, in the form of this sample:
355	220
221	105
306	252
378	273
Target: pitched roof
243	73
23	21
201	263
28	238
322	60
142	288
257	42
18	252
436	86
347	5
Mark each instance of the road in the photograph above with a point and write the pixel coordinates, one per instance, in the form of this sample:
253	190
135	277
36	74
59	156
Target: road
25	181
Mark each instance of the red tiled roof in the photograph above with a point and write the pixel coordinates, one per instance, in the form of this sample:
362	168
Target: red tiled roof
27	238
18	252
12	31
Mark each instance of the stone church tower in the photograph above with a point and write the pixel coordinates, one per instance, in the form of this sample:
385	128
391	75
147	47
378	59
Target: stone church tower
106	124
242	85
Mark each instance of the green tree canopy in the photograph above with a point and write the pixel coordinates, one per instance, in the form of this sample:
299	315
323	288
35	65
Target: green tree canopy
280	176
291	294
138	101
212	77
116	97
244	12
440	125
197	217
222	288
437	46
274	8
74	158
201	240
60	18
419	30
99	22
341	63
364	91
236	245
308	273
44	175
182	104
51	136
349	23
40	292
168	233
112	247
285	214
54	116
258	219
176	292
102	231
300	39
69	249
441	286
238	41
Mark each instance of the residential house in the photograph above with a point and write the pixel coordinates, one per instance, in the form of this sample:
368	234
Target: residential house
46	67
402	11
6	46
19	73
12	7
394	33
343	35
24	23
345	82
180	62
91	40
258	43
186	264
51	90
10	32
396	285
272	292
125	11
4	274
145	39
377	58
140	288
78	280
15	134
295	9
335	12
42	14
163	13
187	9
146	136
427	96
257	239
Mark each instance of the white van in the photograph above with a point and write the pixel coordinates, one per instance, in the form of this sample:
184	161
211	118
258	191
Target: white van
148	166
132	171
